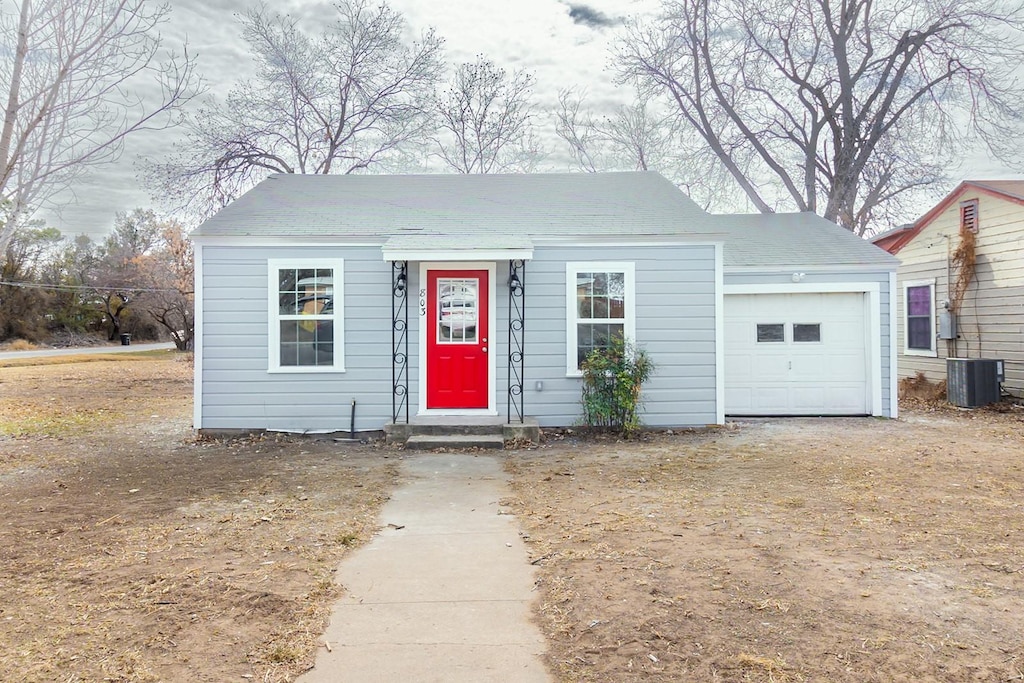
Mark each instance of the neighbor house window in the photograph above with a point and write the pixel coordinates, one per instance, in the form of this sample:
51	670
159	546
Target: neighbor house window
601	308
919	333
305	300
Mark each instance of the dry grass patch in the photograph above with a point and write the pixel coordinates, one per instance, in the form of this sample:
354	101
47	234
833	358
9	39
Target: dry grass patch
783	550
134	552
18	345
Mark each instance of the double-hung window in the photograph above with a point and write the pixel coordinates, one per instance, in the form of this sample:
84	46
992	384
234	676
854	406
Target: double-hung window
919	322
601	307
306	323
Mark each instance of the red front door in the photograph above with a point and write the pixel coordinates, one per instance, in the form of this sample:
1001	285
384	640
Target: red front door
457	339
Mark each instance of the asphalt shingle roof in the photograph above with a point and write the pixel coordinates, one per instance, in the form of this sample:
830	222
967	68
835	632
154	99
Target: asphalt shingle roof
509	210
557	204
796	240
1011	188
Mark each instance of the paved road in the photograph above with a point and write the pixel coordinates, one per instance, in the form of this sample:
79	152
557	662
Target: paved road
4	355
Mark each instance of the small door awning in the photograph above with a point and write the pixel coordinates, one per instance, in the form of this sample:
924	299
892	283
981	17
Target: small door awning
474	247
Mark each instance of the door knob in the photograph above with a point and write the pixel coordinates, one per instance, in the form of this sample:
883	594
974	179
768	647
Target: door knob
485	349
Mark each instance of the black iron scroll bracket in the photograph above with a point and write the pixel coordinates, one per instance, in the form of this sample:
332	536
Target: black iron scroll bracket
399	340
516	338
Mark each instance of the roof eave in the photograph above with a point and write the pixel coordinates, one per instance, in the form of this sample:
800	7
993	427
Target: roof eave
946	202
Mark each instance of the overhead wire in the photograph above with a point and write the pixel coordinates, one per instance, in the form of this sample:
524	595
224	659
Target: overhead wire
73	288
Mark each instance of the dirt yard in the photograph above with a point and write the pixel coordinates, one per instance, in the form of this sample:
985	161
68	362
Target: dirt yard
782	550
133	552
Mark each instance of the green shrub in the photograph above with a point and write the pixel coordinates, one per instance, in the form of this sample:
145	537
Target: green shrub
612	378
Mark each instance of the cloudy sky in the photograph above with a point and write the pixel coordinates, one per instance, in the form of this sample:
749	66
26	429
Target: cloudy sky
562	42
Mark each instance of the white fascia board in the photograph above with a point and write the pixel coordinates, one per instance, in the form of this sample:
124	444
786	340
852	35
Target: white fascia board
719	336
623	241
804	268
801	287
456	256
874	311
197	339
293	241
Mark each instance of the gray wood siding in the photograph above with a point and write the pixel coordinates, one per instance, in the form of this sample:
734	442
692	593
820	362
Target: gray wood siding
675	323
238	392
991	320
675	301
840	277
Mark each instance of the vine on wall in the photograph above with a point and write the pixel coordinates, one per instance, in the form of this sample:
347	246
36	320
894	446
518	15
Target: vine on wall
963	260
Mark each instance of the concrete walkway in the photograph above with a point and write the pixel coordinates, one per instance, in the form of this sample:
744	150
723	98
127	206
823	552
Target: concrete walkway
443	592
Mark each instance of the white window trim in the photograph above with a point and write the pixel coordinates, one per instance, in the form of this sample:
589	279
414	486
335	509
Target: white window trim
872	296
273	317
907	351
628	269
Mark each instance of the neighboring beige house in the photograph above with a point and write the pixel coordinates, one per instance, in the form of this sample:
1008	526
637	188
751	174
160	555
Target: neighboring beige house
957	310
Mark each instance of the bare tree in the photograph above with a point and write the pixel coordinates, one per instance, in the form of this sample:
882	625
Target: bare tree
845	109
165	277
353	97
634	137
641	136
485	120
70	83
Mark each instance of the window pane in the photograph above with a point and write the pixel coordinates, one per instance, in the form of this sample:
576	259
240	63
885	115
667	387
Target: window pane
919	300
457	310
305	291
585	295
616	308
919	333
286	291
771	332
590	336
806	332
307	342
601	295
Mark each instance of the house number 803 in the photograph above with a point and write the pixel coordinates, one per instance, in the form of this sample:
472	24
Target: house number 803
423	302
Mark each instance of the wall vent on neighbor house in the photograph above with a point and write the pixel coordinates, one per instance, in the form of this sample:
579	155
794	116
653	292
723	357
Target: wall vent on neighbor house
969	215
973	382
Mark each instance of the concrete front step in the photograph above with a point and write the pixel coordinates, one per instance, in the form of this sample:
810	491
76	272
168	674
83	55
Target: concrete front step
461	431
429	442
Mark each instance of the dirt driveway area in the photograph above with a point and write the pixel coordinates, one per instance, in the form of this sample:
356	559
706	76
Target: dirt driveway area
784	550
781	550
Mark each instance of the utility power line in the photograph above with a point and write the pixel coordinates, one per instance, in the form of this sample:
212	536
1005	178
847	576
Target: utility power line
75	288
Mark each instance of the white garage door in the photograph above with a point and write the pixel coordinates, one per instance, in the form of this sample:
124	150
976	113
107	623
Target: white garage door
796	354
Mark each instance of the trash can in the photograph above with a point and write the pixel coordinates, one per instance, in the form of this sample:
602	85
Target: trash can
126	340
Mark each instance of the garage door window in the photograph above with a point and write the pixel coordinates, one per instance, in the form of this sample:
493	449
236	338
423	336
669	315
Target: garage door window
920	322
768	333
806	332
